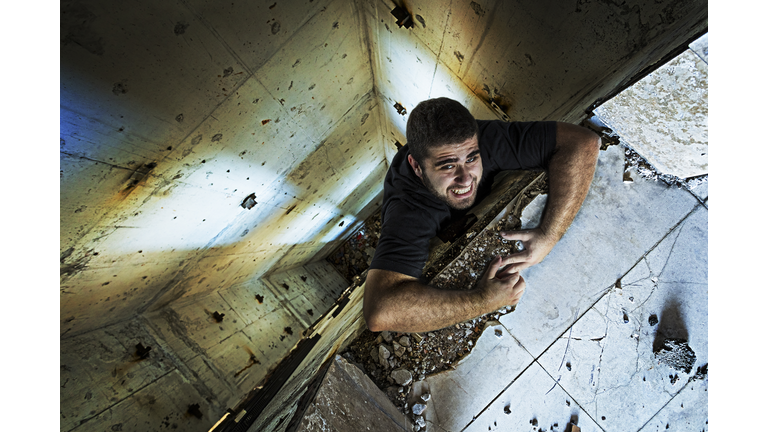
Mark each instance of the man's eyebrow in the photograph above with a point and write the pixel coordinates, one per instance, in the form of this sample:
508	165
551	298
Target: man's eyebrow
446	161
454	159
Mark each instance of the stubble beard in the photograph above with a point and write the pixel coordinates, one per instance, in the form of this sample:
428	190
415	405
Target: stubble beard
460	205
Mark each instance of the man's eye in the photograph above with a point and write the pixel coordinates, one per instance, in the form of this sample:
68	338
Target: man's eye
447	167
472	159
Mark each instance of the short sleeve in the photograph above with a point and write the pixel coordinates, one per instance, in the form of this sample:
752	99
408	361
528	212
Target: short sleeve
403	245
518	145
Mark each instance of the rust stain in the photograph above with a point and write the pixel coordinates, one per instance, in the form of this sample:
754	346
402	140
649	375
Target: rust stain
263	122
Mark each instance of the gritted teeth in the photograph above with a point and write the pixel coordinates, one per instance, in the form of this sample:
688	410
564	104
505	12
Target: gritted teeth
462	191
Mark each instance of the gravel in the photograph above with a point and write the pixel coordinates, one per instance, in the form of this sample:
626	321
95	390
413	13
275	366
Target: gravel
422	354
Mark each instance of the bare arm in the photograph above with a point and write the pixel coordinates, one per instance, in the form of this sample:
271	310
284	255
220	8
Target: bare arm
396	302
570	172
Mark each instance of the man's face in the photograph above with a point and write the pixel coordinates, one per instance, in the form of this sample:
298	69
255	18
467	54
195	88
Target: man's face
452	172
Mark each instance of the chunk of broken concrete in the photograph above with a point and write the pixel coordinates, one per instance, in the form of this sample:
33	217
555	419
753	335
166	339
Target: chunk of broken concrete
402	376
384	352
387	336
418	408
404	341
398	349
676	354
419	421
383	356
375	354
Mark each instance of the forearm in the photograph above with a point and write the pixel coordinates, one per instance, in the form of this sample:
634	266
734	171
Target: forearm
410	306
570	172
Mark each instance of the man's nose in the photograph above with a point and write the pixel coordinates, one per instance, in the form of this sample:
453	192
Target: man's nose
462	174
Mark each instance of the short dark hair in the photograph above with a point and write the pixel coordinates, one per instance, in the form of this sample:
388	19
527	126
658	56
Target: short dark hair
437	122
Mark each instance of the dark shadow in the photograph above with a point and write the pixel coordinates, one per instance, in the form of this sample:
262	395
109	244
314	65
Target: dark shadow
671	324
573	422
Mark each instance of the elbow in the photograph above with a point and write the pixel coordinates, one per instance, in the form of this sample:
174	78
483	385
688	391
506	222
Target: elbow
595	143
379	300
373	318
589	141
374	325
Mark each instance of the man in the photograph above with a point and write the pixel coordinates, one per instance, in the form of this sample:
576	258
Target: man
446	167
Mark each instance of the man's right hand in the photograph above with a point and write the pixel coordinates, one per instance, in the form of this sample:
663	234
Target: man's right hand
501	286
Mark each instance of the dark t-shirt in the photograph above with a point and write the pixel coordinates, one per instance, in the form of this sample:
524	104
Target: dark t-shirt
411	215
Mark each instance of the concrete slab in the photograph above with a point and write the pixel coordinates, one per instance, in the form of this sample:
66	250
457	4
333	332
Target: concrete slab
531	216
533	402
610	366
100	368
664	116
96	297
700	187
163	404
687	411
331	44
458	395
701	47
617	224
348	401
252	300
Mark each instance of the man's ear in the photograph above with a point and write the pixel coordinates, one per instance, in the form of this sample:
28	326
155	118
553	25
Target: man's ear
415	166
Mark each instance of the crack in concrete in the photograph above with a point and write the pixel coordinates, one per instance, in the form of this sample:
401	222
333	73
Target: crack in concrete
600	361
328	159
690	380
671	249
99	161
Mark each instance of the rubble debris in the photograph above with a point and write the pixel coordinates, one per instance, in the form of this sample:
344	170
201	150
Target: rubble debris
701	372
418	408
676	354
425	354
384	354
398	349
653	320
633	161
402	377
419	421
354	256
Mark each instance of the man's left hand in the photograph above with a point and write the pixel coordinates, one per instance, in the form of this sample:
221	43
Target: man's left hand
536	243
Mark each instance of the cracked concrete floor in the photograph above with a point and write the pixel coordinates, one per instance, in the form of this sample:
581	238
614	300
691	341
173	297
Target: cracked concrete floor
579	347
